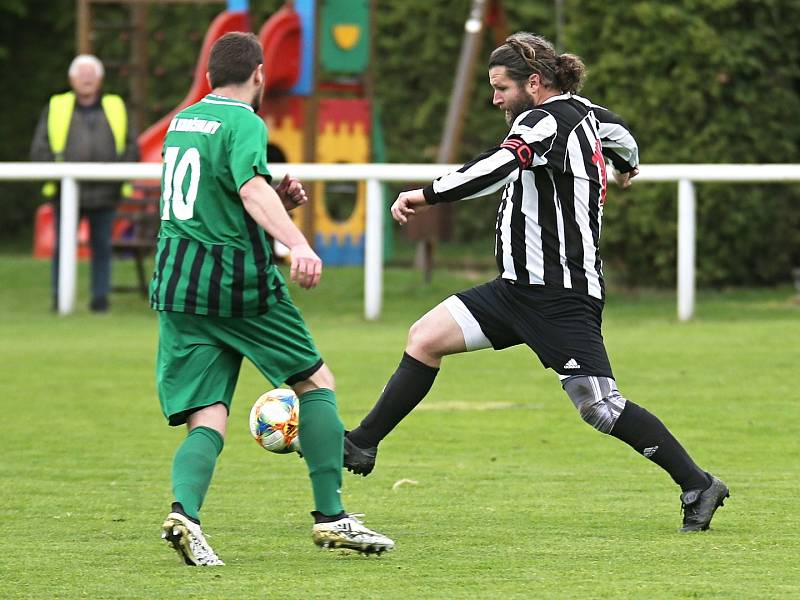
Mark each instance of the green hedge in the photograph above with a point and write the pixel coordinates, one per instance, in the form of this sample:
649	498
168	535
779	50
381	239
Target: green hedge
36	44
700	82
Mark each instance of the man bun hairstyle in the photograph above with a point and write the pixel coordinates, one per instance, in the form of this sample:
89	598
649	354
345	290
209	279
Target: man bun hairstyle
570	72
233	59
524	54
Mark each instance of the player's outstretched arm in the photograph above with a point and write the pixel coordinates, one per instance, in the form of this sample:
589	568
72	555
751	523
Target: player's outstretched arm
265	206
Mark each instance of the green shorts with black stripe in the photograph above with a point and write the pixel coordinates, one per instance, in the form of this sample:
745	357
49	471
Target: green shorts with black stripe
199	356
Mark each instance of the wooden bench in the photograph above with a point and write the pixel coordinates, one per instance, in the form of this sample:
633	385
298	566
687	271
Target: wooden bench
135	234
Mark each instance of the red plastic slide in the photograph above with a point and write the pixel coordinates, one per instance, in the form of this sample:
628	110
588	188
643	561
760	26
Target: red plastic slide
281	38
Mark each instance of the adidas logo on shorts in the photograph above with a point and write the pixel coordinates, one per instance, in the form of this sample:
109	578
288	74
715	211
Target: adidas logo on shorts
572	364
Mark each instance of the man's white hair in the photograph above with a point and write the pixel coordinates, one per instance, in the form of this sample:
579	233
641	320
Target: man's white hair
86	59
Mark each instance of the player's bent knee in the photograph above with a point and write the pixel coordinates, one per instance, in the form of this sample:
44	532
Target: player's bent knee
416	332
435	335
420	337
214	417
597	415
597	399
322	378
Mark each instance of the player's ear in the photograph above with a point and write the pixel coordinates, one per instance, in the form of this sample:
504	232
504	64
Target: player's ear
258	75
208	79
533	81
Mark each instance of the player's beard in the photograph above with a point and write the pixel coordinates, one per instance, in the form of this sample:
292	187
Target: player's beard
256	102
516	108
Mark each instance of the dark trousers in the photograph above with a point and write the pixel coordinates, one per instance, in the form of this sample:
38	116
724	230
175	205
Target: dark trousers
101	222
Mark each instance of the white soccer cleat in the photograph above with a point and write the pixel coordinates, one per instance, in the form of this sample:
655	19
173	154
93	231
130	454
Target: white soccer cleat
187	539
349	532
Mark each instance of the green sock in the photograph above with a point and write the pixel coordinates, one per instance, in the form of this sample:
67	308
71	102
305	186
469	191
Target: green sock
322	441
193	467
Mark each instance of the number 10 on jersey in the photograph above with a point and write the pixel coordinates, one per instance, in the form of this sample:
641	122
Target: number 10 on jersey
173	178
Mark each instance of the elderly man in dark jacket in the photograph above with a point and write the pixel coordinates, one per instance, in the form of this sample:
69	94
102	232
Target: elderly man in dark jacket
86	125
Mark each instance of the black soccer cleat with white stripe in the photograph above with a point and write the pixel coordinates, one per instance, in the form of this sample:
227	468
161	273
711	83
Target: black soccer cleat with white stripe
699	506
357	460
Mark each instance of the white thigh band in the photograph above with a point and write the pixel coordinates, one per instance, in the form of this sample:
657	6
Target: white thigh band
473	336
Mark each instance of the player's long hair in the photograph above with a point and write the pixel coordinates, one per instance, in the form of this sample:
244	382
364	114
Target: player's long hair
524	54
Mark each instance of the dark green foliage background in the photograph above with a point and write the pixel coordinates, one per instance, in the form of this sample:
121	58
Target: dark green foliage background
698	81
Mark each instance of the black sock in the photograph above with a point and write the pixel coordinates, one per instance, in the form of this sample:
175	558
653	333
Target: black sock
177	507
646	434
406	388
320	518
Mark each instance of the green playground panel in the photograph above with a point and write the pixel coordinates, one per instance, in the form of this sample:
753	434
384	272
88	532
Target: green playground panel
344	36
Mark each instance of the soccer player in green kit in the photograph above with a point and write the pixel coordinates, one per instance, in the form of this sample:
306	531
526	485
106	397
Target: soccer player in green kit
220	298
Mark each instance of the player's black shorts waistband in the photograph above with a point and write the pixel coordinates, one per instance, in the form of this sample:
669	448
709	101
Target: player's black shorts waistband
562	326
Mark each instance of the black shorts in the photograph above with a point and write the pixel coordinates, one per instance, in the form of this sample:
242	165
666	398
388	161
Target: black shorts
562	326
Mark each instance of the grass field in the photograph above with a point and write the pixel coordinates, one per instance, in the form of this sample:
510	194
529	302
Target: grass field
514	497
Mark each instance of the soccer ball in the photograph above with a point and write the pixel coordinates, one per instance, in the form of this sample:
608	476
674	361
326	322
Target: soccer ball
273	421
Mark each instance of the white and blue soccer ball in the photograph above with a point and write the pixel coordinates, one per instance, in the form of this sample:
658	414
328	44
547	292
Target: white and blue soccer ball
274	421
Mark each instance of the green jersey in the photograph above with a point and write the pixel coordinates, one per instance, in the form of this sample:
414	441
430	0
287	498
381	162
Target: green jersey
211	257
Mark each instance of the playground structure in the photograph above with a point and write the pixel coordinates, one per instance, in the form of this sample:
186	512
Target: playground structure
317	106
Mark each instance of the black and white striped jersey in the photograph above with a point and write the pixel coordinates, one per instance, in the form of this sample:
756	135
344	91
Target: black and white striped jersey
552	166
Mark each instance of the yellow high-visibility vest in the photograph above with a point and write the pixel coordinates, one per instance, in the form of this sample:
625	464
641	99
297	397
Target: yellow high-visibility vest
59	118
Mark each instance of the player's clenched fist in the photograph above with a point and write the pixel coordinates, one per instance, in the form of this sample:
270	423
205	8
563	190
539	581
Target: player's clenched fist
306	266
624	179
291	192
407	205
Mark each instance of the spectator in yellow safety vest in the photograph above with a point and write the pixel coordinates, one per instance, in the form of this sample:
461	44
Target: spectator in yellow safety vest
87	125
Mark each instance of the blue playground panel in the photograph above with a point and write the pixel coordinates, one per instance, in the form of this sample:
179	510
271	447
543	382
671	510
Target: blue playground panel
335	251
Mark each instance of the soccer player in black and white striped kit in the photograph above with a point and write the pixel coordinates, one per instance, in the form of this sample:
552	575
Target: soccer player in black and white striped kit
550	293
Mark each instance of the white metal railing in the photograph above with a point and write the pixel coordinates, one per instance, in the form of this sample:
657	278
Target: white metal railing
374	174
